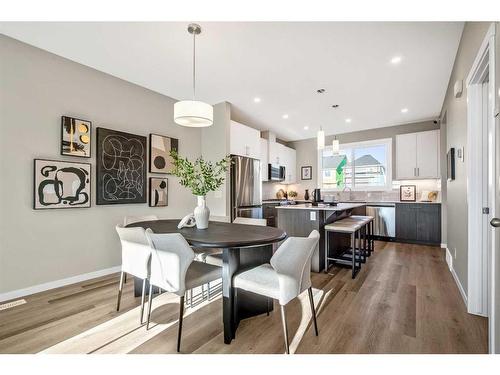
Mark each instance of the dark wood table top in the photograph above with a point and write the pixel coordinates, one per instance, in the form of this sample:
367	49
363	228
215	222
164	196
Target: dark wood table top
218	234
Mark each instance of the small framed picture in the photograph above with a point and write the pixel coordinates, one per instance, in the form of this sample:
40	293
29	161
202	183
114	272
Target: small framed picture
407	193
158	192
306	173
75	137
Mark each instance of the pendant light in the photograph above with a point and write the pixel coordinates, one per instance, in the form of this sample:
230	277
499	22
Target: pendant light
321	139
193	113
335	146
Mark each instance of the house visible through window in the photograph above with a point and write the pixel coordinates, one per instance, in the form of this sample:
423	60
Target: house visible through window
357	166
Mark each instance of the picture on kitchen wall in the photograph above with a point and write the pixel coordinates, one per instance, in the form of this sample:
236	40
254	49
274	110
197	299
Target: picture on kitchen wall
158	192
75	137
121	167
408	193
61	184
306	173
160	146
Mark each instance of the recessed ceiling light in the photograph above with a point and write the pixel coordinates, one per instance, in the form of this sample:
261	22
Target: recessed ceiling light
404	110
335	105
320	91
306	127
285	116
256	100
396	60
348	120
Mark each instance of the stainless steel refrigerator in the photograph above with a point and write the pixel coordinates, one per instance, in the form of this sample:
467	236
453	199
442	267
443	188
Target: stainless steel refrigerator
246	188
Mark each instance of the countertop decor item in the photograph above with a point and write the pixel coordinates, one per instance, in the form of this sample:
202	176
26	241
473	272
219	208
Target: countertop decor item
201	177
280	194
292	194
408	193
306	195
193	113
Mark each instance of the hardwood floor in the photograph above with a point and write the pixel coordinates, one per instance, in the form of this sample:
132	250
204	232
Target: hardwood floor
404	300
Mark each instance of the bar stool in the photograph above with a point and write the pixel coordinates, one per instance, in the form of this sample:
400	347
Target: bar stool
368	242
351	227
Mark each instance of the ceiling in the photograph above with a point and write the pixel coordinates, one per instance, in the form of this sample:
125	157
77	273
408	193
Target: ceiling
282	63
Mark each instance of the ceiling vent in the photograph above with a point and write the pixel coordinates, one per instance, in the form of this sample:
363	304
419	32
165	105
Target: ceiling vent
320	91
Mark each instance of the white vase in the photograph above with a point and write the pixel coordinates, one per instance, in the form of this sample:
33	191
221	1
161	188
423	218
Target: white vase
201	213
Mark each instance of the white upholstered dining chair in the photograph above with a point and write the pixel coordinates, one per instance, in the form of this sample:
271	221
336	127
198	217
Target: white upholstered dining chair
250	221
174	270
286	277
136	219
136	255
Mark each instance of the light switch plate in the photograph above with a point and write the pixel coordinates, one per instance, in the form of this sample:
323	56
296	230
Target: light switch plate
312	215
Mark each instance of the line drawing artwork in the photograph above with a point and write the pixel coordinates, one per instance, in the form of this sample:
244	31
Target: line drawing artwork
122	168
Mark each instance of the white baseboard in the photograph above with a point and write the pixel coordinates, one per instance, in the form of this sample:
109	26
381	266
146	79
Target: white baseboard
57	284
449	261
444	246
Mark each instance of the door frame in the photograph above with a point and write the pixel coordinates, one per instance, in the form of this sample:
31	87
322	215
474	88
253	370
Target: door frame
480	182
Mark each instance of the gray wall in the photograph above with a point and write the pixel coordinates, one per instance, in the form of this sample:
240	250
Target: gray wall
455	111
36	88
307	150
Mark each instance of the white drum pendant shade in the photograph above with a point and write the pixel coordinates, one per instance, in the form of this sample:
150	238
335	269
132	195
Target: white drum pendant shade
193	113
335	146
321	139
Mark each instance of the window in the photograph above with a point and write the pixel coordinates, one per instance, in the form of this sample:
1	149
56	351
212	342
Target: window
357	166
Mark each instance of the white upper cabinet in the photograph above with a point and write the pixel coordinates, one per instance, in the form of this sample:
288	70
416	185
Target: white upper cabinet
275	153
290	166
417	155
244	140
264	169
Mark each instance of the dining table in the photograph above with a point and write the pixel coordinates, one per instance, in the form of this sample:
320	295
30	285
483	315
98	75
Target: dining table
243	246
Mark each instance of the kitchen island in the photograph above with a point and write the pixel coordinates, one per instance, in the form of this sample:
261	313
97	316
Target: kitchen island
300	219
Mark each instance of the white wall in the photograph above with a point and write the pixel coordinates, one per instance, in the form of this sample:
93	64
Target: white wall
36	88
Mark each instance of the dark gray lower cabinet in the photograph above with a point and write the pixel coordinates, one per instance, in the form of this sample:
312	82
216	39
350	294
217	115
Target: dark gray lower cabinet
418	222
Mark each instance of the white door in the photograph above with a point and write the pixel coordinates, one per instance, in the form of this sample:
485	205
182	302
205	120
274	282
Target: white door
406	156
428	154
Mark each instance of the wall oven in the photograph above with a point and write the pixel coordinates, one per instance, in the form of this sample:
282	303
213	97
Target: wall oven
276	172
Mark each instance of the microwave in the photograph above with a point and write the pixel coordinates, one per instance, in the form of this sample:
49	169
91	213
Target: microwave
276	172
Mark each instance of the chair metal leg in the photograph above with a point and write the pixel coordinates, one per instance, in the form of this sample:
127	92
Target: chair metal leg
150	302
285	328
353	246
326	251
208	291
120	288
313	310
125	278
143	299
181	315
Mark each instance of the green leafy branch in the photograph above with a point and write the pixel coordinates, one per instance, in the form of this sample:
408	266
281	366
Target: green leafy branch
200	176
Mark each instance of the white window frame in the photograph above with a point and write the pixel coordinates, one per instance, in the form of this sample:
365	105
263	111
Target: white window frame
376	142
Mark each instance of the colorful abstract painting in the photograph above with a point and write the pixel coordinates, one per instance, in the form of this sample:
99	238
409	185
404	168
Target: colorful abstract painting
61	184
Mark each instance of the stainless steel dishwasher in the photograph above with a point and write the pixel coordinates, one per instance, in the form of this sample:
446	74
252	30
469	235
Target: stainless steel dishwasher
384	222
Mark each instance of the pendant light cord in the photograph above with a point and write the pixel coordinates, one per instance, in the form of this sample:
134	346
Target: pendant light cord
194	66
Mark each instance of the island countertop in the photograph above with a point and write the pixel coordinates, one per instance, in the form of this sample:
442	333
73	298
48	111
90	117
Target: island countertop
309	206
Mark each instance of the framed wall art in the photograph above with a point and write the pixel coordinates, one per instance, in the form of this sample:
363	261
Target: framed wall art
160	146
158	192
75	137
306	173
121	167
61	184
407	193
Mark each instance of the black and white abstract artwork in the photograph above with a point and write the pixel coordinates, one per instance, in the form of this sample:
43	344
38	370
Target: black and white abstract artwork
159	153
75	137
121	167
158	192
61	184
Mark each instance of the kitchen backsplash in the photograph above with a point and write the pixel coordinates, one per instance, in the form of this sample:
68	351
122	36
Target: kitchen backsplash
269	190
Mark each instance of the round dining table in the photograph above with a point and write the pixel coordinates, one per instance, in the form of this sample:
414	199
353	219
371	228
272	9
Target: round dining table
243	246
